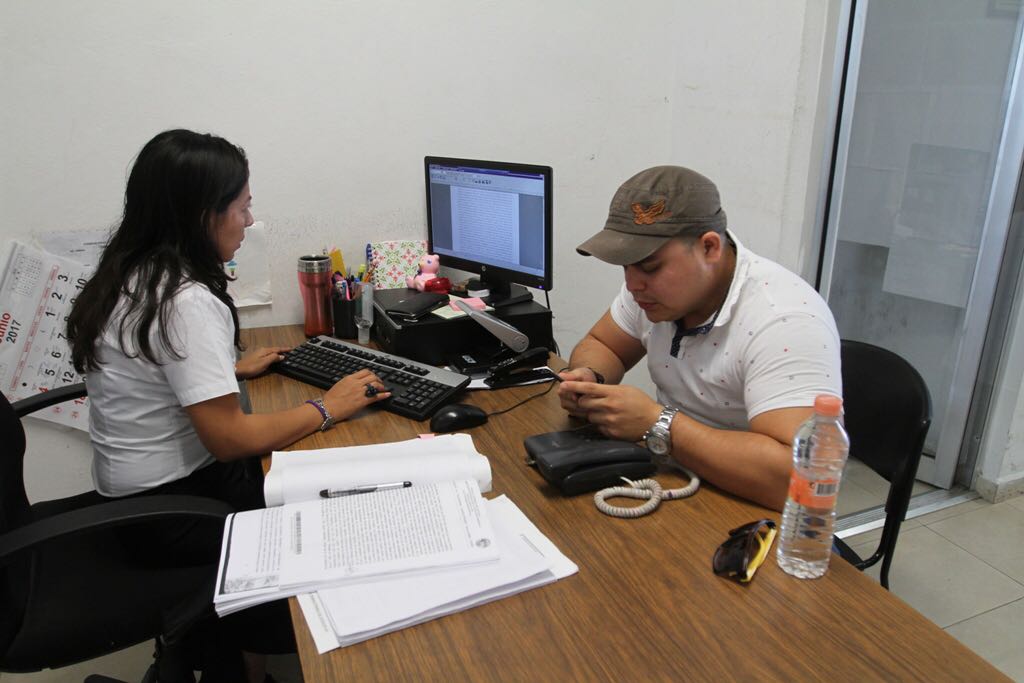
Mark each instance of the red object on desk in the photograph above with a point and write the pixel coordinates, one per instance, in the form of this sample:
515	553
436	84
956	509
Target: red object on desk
438	284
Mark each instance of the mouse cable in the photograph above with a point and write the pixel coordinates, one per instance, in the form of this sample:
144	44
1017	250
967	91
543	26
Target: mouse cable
551	384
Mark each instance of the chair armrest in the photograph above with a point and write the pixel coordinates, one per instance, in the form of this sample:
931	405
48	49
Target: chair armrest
48	398
848	554
108	515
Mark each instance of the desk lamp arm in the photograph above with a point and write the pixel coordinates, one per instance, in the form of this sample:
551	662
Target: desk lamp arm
507	334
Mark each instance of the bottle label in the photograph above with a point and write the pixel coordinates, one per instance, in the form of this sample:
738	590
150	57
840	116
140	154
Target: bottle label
820	493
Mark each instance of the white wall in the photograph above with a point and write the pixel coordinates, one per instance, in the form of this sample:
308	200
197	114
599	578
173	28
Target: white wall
1000	470
336	103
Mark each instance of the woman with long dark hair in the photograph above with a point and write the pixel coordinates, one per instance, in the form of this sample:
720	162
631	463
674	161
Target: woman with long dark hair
156	335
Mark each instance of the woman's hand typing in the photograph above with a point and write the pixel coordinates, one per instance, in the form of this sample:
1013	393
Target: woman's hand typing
349	395
256	362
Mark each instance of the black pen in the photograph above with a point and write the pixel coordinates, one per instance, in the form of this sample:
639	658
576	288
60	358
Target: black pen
369	488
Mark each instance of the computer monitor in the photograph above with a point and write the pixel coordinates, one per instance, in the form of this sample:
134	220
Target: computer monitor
493	219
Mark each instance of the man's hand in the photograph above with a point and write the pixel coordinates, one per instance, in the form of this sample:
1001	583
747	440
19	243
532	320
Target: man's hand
256	362
620	412
568	397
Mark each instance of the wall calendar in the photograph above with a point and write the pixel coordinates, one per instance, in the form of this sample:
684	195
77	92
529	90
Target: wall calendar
36	294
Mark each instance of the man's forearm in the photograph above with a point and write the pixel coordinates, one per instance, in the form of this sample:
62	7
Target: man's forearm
748	464
590	353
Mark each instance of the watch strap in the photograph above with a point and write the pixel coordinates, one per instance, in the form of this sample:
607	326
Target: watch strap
665	419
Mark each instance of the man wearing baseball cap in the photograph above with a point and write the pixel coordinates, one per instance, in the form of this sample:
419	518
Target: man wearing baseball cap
737	346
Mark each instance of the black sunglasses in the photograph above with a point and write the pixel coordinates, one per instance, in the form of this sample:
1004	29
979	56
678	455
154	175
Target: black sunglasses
744	551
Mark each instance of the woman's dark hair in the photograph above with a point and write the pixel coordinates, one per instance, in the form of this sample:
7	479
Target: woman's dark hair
180	181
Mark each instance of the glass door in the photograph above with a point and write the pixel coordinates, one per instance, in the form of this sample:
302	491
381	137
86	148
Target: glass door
928	154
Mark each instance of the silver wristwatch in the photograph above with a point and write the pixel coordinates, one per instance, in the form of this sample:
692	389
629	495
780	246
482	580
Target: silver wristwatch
658	438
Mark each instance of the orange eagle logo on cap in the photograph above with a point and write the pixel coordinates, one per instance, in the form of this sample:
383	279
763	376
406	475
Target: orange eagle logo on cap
647	215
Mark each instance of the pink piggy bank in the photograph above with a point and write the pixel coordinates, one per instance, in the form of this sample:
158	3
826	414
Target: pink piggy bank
429	265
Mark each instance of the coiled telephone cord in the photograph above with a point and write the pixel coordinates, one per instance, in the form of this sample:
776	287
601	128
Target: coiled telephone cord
644	488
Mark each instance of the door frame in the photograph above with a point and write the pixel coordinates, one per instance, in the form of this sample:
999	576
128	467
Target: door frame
939	469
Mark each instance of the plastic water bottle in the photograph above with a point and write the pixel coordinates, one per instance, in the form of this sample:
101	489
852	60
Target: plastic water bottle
820	448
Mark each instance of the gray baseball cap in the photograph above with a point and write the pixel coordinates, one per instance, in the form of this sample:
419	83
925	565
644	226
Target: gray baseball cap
651	208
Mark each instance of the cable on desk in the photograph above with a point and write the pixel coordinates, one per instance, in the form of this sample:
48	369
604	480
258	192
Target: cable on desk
551	384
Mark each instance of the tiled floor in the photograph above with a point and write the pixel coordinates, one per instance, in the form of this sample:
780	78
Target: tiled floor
962	567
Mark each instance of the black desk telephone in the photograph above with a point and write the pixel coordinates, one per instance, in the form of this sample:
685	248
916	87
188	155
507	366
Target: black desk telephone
580	460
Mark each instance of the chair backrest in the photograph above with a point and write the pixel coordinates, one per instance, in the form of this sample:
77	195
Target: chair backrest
14	510
887	411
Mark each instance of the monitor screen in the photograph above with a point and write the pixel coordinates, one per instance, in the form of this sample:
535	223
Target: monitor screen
493	219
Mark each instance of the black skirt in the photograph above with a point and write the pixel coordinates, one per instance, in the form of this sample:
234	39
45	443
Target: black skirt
266	628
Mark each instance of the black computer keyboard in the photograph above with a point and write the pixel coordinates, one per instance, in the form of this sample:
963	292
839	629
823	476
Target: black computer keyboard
417	390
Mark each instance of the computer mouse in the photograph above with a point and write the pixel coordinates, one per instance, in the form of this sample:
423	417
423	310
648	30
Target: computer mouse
456	416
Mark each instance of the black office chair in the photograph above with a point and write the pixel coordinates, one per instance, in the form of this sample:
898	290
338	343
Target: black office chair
69	590
887	412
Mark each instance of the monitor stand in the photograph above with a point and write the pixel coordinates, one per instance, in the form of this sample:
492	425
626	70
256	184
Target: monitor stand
501	294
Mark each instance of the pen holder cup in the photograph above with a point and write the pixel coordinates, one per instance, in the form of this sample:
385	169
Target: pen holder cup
345	319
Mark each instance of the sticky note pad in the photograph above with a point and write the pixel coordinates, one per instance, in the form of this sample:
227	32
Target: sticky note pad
474	302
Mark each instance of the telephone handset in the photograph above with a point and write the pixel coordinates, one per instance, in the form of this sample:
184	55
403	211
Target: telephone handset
580	460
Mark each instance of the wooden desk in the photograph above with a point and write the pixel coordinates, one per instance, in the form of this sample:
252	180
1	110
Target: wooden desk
645	604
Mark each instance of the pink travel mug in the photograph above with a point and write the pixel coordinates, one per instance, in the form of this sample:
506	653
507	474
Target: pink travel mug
315	285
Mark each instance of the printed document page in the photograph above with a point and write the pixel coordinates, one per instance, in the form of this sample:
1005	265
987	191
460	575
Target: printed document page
301	475
346	615
297	547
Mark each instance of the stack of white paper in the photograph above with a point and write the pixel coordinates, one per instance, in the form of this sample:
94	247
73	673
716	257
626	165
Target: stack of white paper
301	475
377	538
282	551
349	614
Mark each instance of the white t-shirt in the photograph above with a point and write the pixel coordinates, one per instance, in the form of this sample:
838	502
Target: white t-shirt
773	345
141	435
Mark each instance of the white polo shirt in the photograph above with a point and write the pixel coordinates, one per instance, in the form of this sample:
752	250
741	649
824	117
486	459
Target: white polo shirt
773	345
141	435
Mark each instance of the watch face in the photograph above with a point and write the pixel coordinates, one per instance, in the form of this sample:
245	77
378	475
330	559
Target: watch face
657	444
658	438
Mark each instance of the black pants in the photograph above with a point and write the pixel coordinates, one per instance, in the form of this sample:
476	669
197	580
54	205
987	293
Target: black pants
266	628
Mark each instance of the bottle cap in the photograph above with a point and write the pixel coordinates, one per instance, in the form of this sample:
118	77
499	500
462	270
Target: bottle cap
828	405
